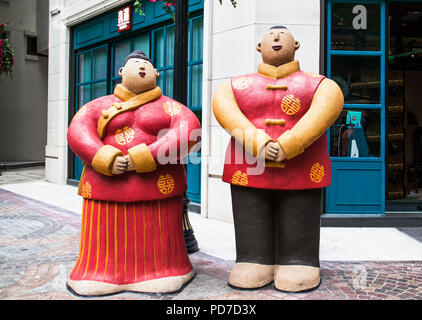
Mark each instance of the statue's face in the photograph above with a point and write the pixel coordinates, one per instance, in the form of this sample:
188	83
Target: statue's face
277	47
139	75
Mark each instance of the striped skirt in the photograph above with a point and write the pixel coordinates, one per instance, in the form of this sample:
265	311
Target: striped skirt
123	243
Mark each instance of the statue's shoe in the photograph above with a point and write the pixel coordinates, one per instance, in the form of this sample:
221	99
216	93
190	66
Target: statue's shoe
161	285
245	275
294	278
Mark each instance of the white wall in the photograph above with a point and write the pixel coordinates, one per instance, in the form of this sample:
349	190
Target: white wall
230	38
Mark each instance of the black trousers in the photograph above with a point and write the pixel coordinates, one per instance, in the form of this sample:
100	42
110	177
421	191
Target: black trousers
277	226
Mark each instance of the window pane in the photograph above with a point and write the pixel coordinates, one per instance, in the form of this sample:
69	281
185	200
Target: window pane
356	133
99	89
160	81
158	58
355	26
169	83
358	77
142	43
121	51
196	89
100	63
170	46
197	29
84	95
84	74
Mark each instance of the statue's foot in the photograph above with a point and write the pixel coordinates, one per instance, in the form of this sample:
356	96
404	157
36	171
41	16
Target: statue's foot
161	285
294	278
246	275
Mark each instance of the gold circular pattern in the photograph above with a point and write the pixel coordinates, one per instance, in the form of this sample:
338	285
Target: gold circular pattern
86	190
290	105
317	173
165	184
172	108
124	136
240	179
242	83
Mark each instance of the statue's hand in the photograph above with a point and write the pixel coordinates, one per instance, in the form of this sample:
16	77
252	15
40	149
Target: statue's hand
130	164
281	154
120	165
271	151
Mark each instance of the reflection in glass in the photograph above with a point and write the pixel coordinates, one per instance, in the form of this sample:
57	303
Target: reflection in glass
159	48
100	63
84	67
355	26
356	134
99	89
84	95
197	29
358	78
142	43
121	51
196	89
170	47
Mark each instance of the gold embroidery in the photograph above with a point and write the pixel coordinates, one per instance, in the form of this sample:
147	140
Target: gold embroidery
290	105
165	184
242	83
317	173
124	136
239	178
86	190
172	108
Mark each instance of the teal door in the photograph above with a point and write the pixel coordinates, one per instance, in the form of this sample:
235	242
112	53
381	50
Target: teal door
356	61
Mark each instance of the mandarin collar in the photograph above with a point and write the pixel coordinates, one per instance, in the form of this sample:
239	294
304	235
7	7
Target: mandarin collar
280	71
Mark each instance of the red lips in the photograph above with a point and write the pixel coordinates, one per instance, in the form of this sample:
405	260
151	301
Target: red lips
142	74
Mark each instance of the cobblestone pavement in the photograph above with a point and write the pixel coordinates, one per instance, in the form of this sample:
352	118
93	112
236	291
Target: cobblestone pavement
39	245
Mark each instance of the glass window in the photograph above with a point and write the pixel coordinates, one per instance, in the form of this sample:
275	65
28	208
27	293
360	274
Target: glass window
84	95
170	47
356	133
169	83
121	51
159	44
355	26
142	43
84	67
99	89
358	78
197	34
196	89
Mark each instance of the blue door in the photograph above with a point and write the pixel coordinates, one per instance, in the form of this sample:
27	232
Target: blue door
356	61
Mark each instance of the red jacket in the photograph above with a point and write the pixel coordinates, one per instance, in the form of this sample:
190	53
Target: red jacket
276	105
124	123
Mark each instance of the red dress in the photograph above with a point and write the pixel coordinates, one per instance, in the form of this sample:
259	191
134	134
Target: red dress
132	223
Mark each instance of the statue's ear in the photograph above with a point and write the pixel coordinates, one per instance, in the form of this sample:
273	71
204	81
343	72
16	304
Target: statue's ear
157	73
297	45
258	47
120	71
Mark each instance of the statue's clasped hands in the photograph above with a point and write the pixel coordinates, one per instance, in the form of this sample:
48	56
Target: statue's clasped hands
122	165
274	152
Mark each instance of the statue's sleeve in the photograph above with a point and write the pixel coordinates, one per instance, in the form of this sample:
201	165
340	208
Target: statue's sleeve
231	118
326	106
83	139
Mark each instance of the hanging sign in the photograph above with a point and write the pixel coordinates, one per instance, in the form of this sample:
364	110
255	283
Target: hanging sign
124	19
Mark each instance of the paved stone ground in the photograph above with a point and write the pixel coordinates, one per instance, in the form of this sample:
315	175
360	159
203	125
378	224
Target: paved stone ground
39	245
